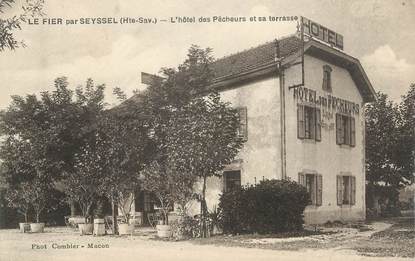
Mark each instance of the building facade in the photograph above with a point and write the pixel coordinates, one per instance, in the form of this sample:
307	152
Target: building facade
311	132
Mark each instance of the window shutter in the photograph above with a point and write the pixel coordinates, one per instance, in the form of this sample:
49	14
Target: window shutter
339	129
319	190
243	123
352	132
300	122
325	85
318	125
353	190
339	190
301	179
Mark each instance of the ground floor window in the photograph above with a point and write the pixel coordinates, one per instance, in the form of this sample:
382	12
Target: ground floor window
346	190
231	180
313	182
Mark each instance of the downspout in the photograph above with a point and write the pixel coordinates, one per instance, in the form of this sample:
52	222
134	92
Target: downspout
280	71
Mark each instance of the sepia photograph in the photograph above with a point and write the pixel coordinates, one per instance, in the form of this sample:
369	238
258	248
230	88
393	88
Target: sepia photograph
207	130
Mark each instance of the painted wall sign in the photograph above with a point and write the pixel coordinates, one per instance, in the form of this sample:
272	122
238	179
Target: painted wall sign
322	33
326	101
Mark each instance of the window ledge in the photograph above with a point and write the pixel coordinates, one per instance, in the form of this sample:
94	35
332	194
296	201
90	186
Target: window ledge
345	146
312	141
346	206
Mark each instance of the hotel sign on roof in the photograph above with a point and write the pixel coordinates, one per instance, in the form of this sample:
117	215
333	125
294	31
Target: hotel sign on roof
322	33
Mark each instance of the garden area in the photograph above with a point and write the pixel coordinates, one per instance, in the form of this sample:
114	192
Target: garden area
69	159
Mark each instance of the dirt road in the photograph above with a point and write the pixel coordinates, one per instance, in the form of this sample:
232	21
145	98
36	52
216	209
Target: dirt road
62	245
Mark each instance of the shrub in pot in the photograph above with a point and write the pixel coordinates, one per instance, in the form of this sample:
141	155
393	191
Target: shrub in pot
39	193
125	199
156	180
19	199
169	186
82	184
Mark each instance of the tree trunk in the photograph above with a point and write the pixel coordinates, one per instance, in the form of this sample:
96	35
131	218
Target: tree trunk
73	208
25	217
204	209
114	217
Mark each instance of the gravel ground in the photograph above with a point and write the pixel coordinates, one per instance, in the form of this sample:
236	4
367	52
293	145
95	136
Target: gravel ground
65	244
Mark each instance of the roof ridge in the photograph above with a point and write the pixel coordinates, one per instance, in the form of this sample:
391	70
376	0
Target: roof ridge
256	46
244	50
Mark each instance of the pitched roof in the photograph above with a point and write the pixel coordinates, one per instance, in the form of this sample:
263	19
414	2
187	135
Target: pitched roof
255	57
262	60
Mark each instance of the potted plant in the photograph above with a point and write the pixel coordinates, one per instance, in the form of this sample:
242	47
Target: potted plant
38	193
81	185
19	199
125	199
156	180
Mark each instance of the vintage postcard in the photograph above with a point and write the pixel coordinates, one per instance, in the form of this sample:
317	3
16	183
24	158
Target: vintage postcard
207	130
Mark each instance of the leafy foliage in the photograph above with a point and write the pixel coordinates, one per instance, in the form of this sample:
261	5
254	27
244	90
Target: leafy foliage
269	207
123	150
390	142
30	8
194	131
19	198
43	137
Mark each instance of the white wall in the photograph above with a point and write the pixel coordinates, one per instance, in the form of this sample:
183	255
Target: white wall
260	156
326	157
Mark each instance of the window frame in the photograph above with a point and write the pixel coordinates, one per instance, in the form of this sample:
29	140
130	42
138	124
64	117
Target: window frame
316	195
243	122
345	130
308	117
327	82
341	190
226	179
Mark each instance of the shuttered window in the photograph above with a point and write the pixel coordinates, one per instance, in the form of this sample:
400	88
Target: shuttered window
314	185
345	130
243	123
346	190
308	122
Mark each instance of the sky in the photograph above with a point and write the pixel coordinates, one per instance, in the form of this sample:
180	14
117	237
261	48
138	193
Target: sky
378	33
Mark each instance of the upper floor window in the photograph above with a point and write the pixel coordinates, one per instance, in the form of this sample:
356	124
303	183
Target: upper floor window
314	185
345	130
327	78
243	123
346	190
308	122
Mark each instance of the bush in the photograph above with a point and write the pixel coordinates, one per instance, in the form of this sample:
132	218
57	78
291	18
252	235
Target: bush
269	207
186	227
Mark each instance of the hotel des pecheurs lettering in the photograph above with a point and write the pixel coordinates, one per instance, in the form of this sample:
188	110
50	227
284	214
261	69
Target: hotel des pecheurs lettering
312	133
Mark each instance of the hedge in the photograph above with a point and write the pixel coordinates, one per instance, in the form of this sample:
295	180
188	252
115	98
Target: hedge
272	206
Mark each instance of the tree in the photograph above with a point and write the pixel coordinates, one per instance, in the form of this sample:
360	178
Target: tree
203	140
169	187
381	119
18	198
39	193
81	185
123	151
156	180
43	136
405	154
194	131
389	148
31	8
